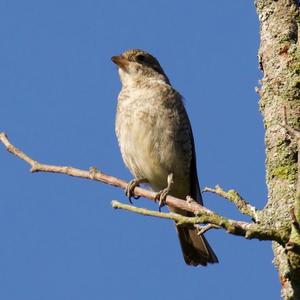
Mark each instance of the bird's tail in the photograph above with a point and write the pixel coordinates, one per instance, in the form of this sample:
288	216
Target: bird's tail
195	248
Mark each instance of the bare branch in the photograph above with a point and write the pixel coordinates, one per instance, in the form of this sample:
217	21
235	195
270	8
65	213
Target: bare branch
203	229
153	213
94	174
202	215
239	228
233	196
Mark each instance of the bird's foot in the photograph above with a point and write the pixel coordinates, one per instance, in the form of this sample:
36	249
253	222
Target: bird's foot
189	199
162	195
131	186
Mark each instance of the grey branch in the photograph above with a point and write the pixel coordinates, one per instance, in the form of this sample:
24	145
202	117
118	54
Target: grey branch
202	215
203	229
233	196
95	174
239	228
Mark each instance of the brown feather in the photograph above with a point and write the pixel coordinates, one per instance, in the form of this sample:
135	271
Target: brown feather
195	248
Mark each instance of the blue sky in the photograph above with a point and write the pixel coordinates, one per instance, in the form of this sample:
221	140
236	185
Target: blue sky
60	238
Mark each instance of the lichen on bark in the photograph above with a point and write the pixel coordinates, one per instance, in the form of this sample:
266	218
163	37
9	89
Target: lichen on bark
279	59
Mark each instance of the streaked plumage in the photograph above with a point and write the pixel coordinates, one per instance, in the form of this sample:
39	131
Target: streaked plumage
155	139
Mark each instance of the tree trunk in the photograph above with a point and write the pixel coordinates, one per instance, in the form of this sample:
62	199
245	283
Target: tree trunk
279	59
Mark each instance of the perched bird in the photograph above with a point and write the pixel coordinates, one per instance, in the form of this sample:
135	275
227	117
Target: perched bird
156	140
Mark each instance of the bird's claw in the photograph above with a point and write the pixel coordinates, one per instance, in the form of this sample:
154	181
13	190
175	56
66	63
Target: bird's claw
162	195
131	186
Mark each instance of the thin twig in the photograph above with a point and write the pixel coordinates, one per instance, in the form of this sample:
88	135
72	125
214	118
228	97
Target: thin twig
239	228
203	229
202	215
153	213
94	174
233	196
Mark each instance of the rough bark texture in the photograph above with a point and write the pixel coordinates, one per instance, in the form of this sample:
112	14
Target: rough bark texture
279	59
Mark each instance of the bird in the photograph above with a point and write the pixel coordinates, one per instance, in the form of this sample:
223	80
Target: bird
156	142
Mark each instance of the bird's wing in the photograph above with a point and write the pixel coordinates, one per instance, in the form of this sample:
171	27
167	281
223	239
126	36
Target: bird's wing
195	188
188	145
195	191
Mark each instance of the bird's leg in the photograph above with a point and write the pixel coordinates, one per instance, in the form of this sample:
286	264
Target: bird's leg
131	186
162	195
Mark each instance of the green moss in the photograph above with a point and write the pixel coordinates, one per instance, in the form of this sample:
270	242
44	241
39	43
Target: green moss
284	39
232	193
285	172
283	164
296	70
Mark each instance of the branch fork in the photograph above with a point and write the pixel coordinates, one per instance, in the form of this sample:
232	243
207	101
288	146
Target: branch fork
202	215
233	196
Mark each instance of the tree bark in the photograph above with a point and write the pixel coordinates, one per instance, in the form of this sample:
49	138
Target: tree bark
279	221
279	59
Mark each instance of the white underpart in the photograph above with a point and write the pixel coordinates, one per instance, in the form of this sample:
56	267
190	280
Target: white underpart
142	140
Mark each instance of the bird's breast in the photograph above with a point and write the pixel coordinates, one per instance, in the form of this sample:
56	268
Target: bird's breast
146	127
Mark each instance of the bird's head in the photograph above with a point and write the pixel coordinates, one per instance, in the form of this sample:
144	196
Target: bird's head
137	65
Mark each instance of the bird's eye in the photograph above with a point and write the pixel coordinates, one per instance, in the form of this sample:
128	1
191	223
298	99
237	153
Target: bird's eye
141	58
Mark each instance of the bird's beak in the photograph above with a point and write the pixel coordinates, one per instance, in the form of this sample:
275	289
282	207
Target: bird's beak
121	61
